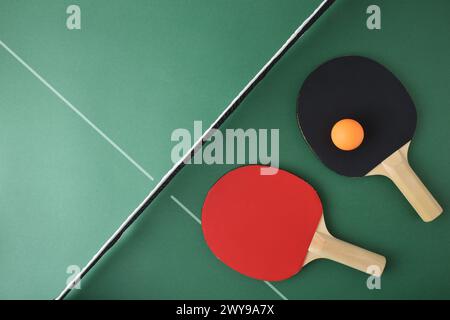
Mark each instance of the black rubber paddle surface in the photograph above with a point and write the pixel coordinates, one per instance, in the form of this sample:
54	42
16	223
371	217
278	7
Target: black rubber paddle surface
364	90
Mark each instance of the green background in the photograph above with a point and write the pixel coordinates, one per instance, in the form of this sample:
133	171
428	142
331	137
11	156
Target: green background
139	70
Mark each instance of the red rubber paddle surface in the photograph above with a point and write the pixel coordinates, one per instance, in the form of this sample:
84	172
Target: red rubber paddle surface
261	225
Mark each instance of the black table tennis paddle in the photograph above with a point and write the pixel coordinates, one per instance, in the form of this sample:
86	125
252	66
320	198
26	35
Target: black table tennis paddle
359	88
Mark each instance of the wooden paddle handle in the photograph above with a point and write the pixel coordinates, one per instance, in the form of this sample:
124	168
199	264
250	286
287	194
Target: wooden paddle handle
397	168
326	246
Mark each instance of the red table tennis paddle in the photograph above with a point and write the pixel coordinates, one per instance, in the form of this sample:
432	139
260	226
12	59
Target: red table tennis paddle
363	90
269	226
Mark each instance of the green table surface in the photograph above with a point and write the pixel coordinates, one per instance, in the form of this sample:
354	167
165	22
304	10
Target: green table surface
140	69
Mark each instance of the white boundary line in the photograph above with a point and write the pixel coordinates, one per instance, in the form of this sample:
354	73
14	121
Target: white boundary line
74	109
193	216
189	212
278	292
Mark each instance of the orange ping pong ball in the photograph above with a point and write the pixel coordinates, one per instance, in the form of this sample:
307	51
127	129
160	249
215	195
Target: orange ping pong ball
347	134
